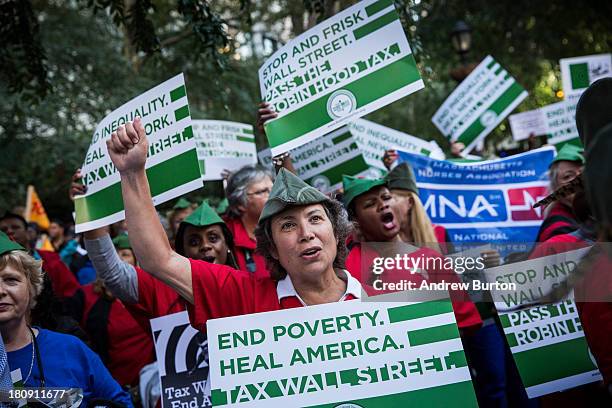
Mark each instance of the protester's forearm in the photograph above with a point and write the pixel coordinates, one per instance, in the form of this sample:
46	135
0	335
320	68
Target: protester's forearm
96	233
148	238
118	276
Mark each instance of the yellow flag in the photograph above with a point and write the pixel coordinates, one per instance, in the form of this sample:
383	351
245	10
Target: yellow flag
35	212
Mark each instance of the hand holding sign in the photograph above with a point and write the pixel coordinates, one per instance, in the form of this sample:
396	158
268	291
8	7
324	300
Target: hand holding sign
128	147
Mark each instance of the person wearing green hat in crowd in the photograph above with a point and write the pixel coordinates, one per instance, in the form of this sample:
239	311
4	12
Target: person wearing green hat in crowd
374	212
179	212
45	358
124	249
301	232
560	218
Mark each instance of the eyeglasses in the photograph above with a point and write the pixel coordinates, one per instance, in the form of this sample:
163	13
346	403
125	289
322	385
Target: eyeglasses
259	193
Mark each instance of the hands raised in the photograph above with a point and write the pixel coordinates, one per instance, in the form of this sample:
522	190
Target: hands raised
128	146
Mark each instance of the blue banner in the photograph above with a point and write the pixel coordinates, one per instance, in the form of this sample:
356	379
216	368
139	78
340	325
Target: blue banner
485	202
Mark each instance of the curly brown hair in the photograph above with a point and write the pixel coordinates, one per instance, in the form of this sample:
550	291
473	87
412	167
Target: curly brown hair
342	228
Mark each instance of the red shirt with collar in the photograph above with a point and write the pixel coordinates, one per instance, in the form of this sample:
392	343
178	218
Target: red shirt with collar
220	291
466	314
244	246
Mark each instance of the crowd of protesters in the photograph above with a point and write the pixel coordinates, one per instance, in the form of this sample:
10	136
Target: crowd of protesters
77	314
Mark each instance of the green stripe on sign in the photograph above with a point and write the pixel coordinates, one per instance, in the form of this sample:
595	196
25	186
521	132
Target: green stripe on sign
498	106
162	177
178	93
245	139
247	131
419	310
350	167
549	363
366	90
491	64
341	138
512	342
218	397
181	113
377	24
378	6
455	395
433	334
202	164
425	152
579	74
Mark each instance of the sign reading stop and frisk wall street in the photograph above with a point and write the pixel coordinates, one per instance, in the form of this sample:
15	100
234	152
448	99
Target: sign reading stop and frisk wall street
547	341
579	72
223	145
478	104
560	121
322	162
182	359
373	139
345	354
349	65
526	124
484	202
172	162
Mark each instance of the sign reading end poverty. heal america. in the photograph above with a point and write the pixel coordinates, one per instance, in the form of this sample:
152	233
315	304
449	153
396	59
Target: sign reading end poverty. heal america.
172	162
351	64
478	104
223	145
343	354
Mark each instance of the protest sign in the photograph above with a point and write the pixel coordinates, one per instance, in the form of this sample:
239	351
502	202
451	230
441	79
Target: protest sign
579	72
478	104
344	354
560	121
348	66
373	139
528	123
547	341
172	163
223	145
488	201
322	162
182	360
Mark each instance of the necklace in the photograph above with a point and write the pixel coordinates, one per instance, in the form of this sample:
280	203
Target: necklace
32	362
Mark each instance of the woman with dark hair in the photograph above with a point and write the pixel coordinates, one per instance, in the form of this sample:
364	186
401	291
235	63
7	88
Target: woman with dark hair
45	358
295	231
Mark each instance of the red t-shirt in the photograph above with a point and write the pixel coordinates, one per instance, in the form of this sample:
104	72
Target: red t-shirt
221	291
63	281
244	249
129	346
155	299
560	220
465	311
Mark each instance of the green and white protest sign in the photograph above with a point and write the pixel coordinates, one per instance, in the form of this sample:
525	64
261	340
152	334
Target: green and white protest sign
478	104
322	162
547	341
349	65
345	354
223	145
373	139
182	361
560	119
579	72
172	163
528	123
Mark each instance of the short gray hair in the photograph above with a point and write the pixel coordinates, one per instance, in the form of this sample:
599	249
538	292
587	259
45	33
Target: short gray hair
238	183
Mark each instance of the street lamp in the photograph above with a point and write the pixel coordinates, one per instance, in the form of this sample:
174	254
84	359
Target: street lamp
461	37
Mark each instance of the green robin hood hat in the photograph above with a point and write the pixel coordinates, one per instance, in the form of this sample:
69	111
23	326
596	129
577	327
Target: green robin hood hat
354	187
571	153
289	190
122	241
6	245
402	178
203	216
181	204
